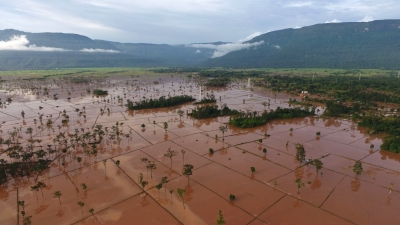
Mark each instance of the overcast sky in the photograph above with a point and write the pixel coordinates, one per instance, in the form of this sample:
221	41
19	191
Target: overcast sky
184	21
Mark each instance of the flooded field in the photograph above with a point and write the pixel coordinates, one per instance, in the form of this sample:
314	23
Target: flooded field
113	174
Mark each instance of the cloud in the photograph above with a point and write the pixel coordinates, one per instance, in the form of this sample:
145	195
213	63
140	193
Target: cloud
277	47
366	19
221	50
334	21
251	36
21	43
300	4
96	50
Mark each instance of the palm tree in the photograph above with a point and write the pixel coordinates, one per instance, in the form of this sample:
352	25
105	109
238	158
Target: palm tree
181	193
81	204
164	180
299	185
92	212
41	185
152	166
223	129
180	113
170	153
57	194
84	187
183	156
187	171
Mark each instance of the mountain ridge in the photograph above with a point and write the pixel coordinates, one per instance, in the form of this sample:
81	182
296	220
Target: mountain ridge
357	45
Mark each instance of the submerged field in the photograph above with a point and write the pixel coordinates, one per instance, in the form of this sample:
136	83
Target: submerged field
111	174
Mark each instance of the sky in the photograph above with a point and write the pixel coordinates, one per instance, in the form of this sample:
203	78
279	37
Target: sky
184	21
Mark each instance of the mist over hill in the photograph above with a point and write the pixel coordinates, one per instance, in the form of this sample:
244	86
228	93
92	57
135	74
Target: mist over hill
335	45
373	44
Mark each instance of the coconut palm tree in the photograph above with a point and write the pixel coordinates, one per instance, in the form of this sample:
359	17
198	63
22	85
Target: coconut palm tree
58	195
180	113
181	193
81	204
187	171
223	129
299	185
170	153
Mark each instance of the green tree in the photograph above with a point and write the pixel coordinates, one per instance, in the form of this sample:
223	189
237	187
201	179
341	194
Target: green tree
220	220
187	171
181	193
180	113
299	185
170	153
165	126
300	152
318	164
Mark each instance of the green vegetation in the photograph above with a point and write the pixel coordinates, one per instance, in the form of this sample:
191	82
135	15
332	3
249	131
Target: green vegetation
384	124
357	168
159	103
220	220
210	111
207	99
100	92
253	119
300	152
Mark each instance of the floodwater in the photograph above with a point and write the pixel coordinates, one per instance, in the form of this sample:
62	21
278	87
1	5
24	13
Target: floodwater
269	195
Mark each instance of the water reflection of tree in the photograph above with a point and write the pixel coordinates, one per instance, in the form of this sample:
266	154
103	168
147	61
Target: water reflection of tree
299	173
389	155
355	184
199	123
144	202
332	122
316	184
189	193
60	213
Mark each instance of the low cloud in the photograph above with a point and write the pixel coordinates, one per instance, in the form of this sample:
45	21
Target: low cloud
221	50
277	47
21	43
366	19
334	21
96	50
251	36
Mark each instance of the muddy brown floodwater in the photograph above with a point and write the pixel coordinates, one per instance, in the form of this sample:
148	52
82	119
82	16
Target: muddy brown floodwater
269	195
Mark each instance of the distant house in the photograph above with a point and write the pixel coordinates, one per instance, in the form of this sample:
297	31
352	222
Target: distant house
303	94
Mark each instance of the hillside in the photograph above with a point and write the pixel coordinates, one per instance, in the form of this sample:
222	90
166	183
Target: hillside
73	50
335	45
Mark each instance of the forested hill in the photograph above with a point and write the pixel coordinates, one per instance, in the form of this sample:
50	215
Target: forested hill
373	44
24	50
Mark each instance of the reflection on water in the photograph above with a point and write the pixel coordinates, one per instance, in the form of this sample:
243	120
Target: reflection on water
355	185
